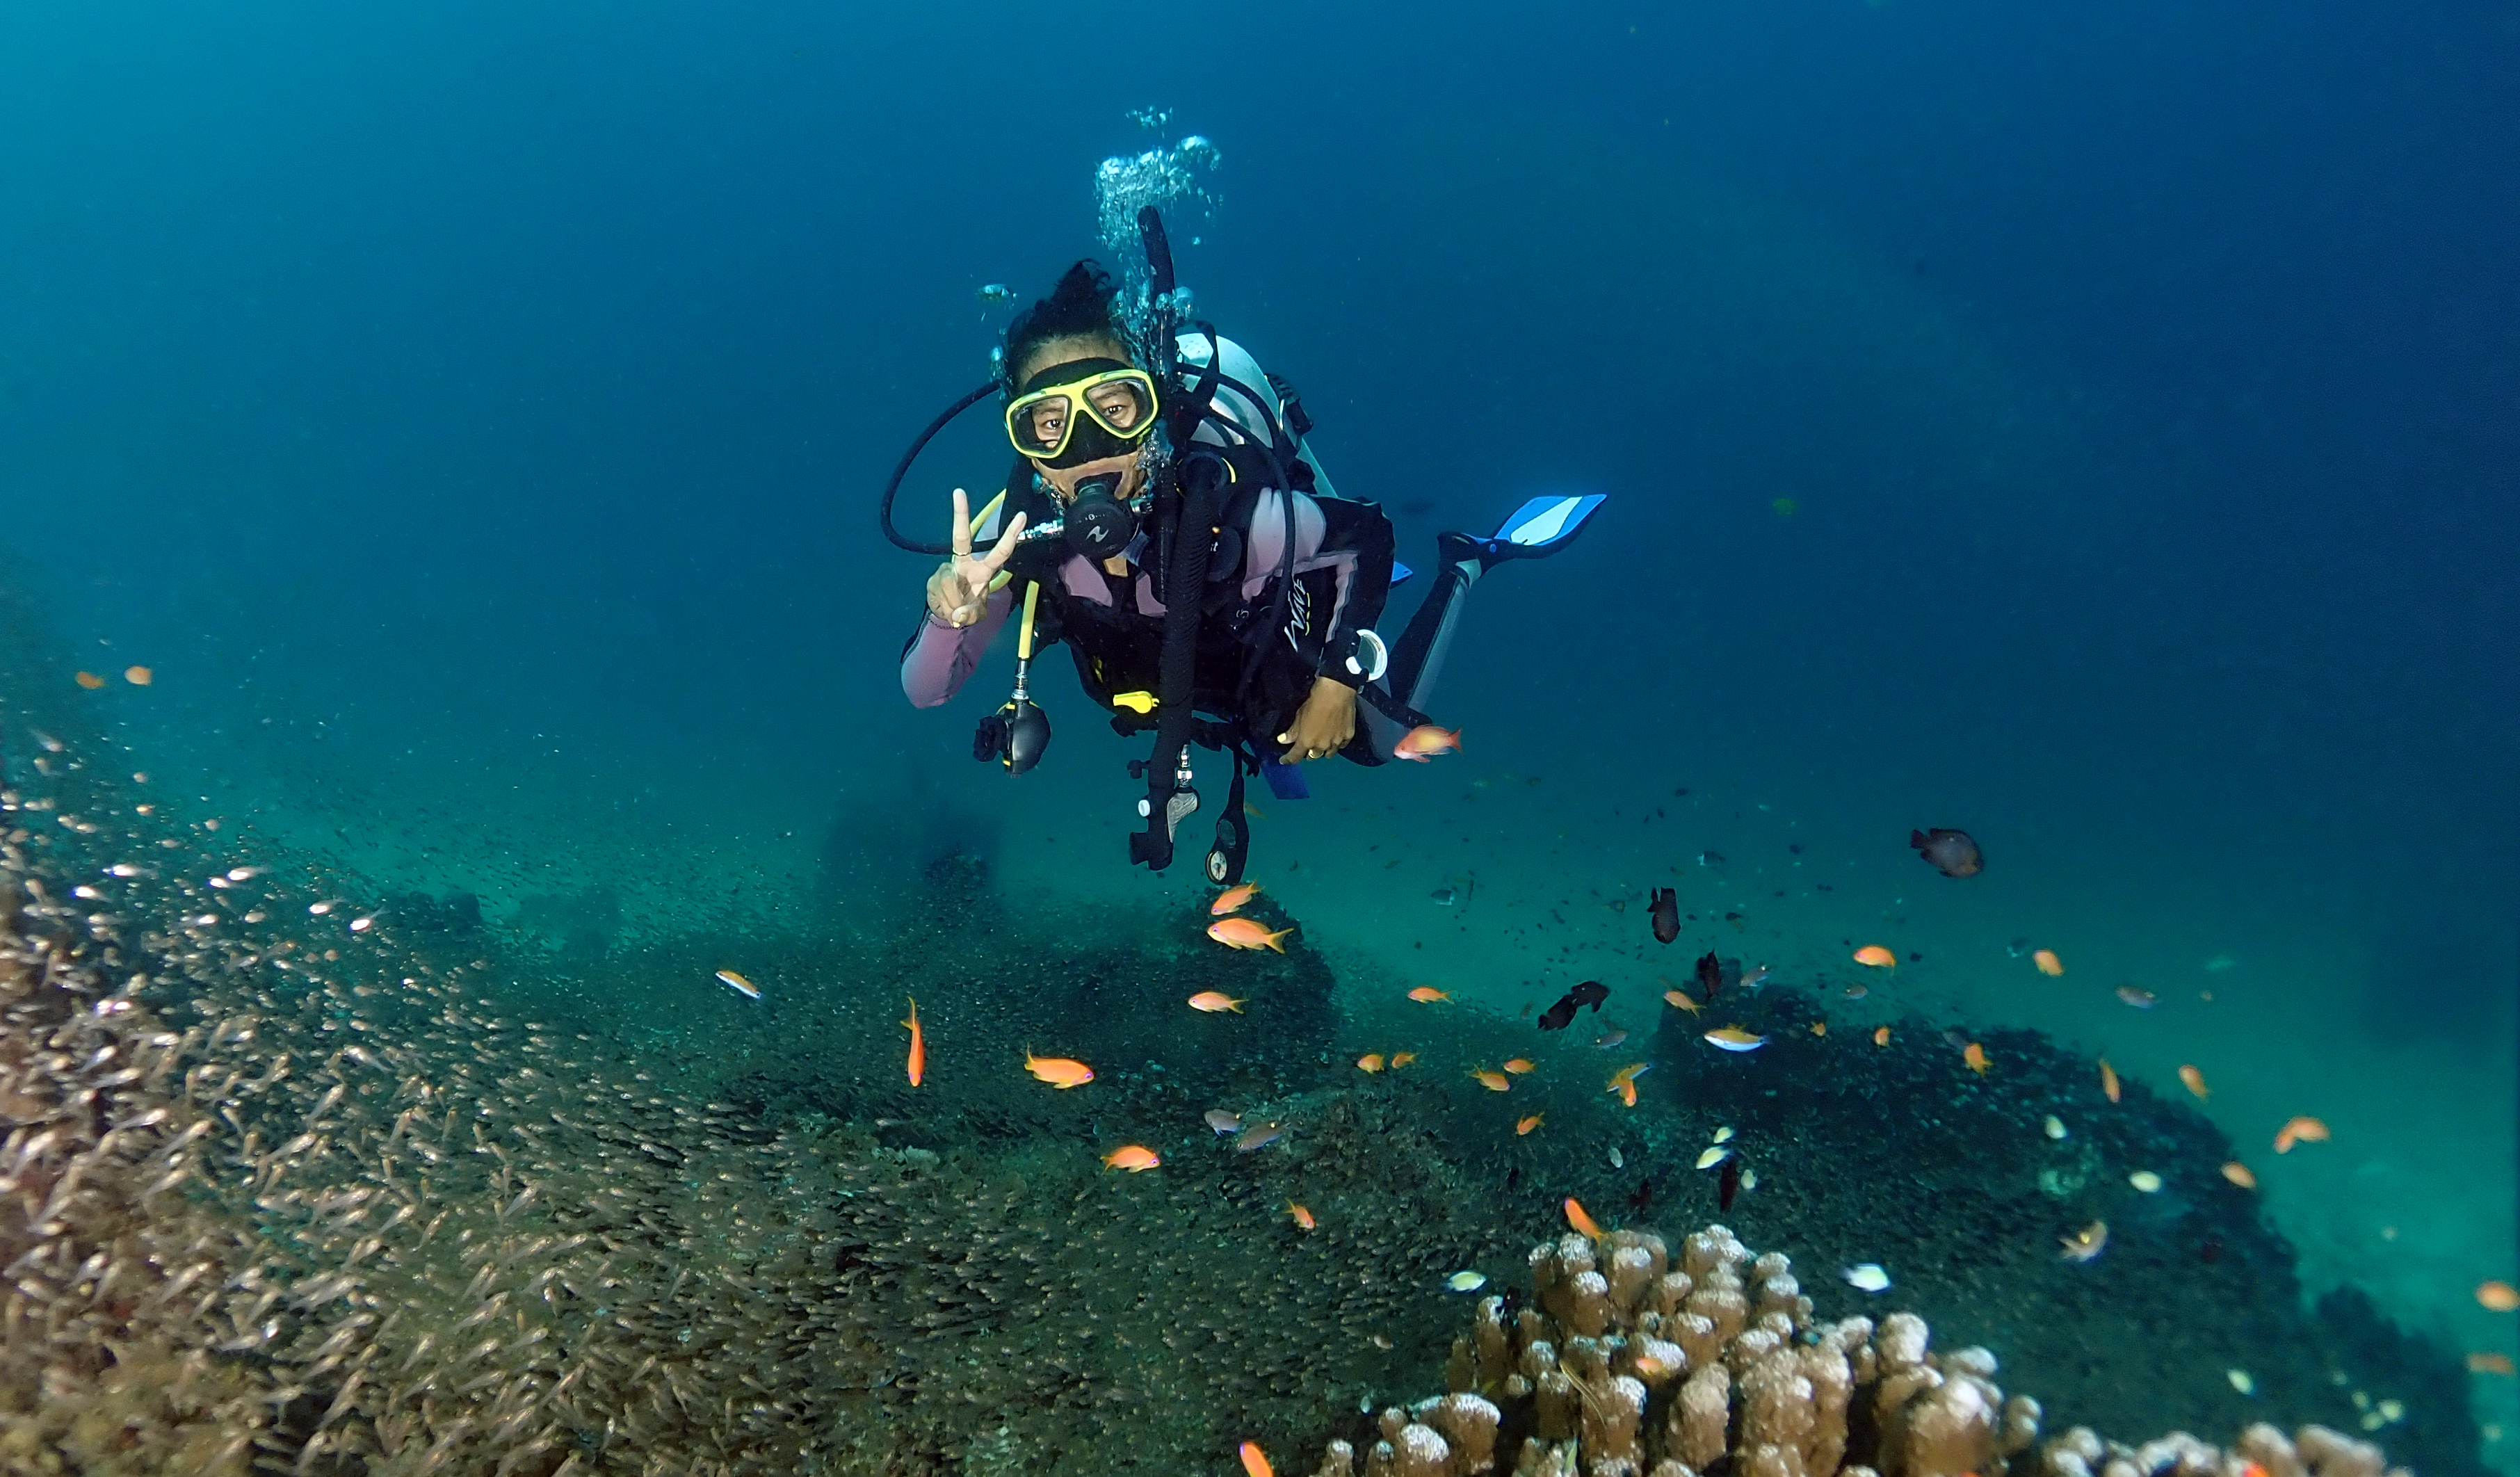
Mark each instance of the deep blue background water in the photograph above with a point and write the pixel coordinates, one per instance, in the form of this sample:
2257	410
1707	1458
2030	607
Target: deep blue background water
475	414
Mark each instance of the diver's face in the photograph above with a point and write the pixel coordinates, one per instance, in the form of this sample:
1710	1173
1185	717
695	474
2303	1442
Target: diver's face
1063	481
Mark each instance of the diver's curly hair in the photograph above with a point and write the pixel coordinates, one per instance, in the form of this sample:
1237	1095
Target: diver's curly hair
1079	307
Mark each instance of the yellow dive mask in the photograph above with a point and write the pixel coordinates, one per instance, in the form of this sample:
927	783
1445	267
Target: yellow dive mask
1099	408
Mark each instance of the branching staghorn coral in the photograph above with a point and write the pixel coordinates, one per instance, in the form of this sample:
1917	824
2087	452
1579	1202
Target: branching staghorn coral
1625	1366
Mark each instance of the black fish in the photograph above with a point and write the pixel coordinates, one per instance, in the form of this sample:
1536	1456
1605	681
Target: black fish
1559	1016
1953	852
1710	976
1666	914
1732	1184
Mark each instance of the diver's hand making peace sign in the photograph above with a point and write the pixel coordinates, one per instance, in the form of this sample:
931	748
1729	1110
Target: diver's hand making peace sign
957	593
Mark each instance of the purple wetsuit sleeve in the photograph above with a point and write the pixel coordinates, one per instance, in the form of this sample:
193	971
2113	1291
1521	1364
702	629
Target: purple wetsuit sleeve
939	656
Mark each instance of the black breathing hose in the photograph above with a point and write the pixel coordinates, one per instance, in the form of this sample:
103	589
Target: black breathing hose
892	488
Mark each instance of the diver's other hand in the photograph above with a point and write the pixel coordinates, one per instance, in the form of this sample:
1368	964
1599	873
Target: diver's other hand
1322	725
957	593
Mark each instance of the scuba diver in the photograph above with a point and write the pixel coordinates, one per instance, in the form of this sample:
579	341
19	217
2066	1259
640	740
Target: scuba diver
1255	637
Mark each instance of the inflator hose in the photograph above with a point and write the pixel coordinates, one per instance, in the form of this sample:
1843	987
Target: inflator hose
1202	503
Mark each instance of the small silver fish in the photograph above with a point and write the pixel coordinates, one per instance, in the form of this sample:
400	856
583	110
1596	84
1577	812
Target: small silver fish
1713	1157
1855	992
739	984
1867	1276
1755	978
1723	1134
1257	1136
1710	859
1617	1159
2085	1244
1224	1122
1443	897
1612	1039
2137	996
1466	1282
996	291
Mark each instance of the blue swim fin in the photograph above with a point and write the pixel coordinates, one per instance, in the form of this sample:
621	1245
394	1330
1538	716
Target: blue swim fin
1285	781
1536	529
1544	525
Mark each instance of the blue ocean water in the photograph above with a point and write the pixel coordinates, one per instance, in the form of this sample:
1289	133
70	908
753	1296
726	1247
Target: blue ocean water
2093	428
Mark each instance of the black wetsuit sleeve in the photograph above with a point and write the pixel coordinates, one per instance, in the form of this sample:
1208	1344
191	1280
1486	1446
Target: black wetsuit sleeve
1357	538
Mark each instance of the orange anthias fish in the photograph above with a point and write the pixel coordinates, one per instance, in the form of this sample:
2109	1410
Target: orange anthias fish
90	680
1881	1038
1493	1082
1428	995
1820	1028
1975	1057
739	984
1371	1061
1255	1462
2238	1174
1876	957
1401	1060
1302	1218
1136	1158
2108	1080
2489	1362
1624	1082
1232	899
2303	1130
2195	1081
1245	933
1425	741
2086	1243
1058	1071
1680	999
1582	1223
2047	961
917	1044
1210	1002
138	677
2498	1297
1517	1067
1527	1125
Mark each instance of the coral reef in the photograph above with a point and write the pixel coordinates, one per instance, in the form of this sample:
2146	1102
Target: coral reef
2261	1451
282	1188
1903	1156
1624	1365
289	1184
